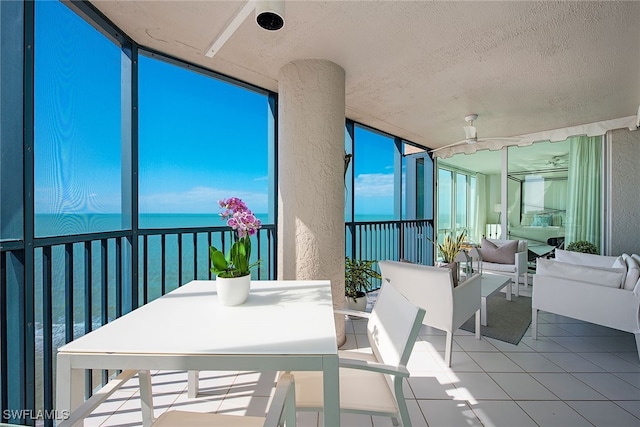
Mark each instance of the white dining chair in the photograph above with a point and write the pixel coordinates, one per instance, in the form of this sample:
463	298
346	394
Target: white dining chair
282	412
371	383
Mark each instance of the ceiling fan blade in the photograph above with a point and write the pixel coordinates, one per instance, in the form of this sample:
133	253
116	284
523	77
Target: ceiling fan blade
464	141
500	139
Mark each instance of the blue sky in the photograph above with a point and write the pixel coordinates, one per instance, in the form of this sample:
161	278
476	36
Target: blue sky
200	139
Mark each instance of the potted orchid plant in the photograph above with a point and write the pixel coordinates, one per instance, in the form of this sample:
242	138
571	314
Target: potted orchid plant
234	270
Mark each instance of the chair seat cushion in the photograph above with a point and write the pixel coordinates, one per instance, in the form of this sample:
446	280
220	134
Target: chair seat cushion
499	254
505	268
199	419
359	390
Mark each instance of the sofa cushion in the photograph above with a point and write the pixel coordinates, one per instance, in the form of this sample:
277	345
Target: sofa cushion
611	277
619	263
633	272
579	258
503	268
499	254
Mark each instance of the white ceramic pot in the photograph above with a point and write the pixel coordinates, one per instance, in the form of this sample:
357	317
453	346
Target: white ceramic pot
360	304
233	290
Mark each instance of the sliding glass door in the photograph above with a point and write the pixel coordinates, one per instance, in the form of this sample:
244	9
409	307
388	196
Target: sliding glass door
554	193
457	203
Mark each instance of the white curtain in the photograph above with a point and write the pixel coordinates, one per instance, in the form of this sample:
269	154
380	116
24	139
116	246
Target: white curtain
584	190
479	209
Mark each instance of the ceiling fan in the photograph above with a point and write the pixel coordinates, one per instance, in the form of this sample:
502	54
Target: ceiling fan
471	135
558	161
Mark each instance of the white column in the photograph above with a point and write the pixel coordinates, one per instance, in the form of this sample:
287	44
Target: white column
311	192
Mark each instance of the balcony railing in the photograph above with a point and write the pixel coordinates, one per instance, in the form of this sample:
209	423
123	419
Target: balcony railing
391	240
81	282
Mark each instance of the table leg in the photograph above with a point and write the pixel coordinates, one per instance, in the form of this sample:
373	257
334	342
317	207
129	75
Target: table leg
193	384
509	290
331	390
146	398
483	311
69	385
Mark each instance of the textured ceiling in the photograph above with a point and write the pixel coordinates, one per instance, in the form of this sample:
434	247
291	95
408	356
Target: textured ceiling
415	69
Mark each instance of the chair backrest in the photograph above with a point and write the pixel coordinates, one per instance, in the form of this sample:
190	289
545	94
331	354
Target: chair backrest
430	288
393	326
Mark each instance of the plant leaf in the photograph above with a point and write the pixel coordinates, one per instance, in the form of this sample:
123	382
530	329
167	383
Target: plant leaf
218	261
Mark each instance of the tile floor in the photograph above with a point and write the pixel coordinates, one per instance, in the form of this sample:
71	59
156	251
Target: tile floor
575	374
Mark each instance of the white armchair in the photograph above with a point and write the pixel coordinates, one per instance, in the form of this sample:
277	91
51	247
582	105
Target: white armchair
431	288
519	267
596	289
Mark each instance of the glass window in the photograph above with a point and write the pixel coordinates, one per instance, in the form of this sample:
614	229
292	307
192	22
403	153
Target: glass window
537	194
461	201
11	130
374	176
200	140
77	125
445	203
554	193
420	179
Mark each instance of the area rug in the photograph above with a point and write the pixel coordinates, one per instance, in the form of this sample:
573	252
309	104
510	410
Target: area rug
506	320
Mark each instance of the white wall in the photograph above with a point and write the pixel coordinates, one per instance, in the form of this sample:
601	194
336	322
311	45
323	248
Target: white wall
624	192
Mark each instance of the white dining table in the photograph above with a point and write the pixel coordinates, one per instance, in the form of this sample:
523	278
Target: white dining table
283	326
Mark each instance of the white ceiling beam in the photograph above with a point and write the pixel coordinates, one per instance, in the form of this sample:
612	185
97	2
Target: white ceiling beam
235	23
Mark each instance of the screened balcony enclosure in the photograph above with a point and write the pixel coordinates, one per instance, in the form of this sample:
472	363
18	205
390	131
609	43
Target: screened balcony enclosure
122	127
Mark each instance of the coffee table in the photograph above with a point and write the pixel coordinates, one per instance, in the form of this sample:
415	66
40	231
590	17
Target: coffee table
491	284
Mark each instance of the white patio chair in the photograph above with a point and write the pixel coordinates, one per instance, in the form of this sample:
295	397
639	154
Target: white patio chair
431	288
282	412
372	382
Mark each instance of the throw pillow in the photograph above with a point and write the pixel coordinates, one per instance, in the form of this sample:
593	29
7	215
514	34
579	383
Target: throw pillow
541	220
619	263
611	277
633	272
504	254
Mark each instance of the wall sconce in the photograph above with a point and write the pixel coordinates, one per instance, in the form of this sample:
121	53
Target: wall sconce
347	160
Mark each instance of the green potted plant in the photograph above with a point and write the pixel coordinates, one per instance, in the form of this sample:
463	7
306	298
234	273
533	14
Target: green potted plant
357	281
450	248
234	271
583	246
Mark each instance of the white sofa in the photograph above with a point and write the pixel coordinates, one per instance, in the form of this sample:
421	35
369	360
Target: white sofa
597	289
518	268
